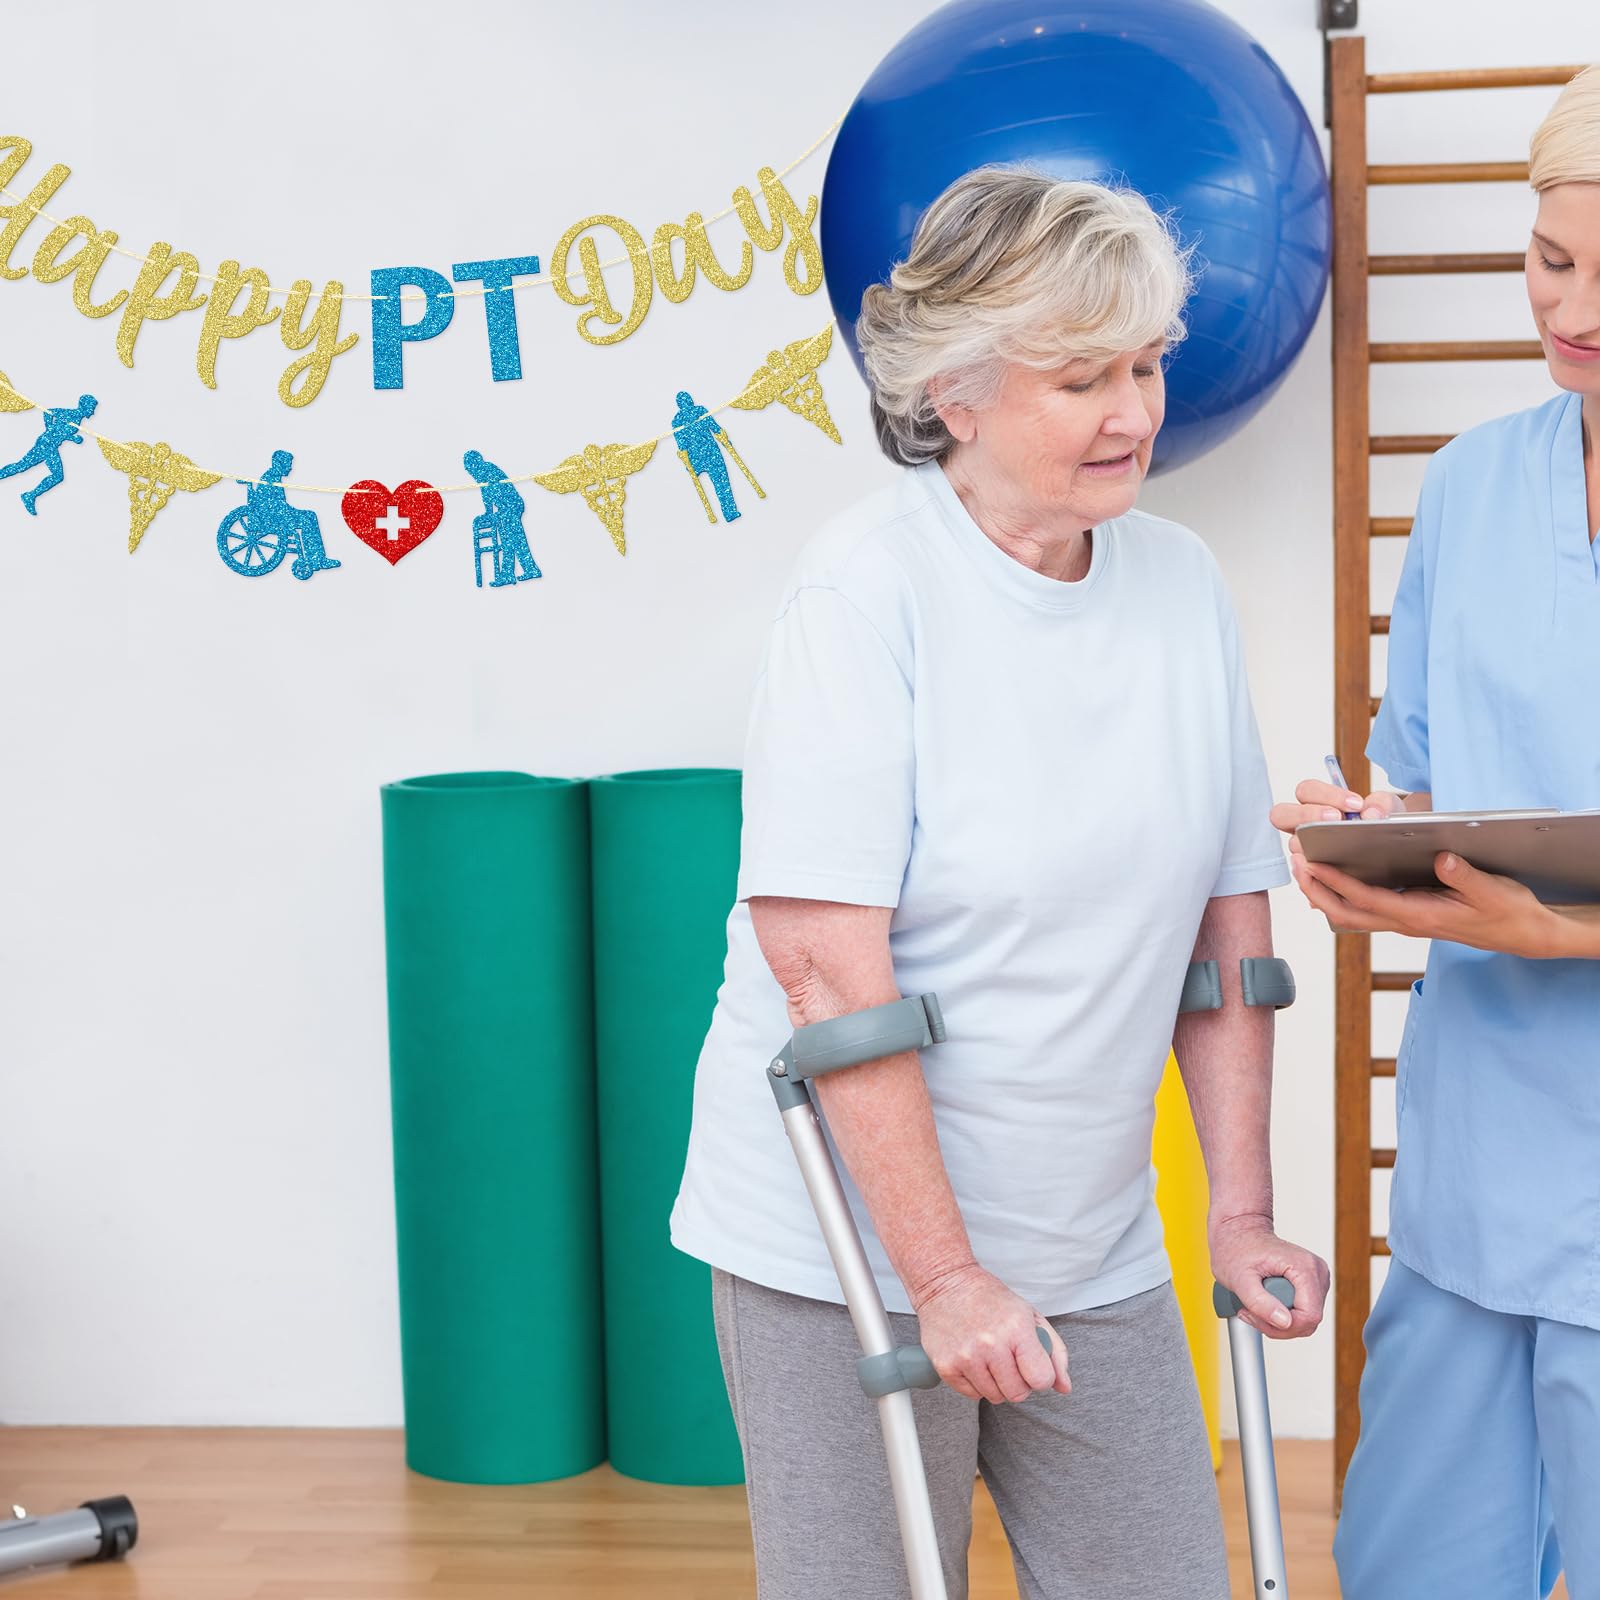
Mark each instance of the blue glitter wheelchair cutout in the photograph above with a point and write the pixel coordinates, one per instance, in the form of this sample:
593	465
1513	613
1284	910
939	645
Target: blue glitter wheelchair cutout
254	538
60	427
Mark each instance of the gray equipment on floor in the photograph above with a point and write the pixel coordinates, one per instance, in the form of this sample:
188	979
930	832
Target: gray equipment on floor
99	1530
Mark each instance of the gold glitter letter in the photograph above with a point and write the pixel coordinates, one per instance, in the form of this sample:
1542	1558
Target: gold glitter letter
595	284
48	267
147	302
697	253
676	289
221	322
700	252
19	215
324	328
802	243
765	238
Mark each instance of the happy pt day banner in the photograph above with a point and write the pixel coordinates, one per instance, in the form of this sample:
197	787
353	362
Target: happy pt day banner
407	305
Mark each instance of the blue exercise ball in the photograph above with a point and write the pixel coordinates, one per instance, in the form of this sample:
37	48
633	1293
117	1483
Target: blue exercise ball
1167	96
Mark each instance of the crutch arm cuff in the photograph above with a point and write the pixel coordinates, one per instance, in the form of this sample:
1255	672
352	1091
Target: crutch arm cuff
1202	988
861	1036
1265	981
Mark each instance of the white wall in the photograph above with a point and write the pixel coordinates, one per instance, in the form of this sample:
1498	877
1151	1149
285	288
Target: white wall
194	1145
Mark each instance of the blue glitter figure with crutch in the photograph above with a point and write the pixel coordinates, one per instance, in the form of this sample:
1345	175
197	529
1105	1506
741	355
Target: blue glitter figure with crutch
60	427
701	439
500	524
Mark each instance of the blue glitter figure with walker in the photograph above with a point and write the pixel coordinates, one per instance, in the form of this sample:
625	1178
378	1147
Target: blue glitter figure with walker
497	530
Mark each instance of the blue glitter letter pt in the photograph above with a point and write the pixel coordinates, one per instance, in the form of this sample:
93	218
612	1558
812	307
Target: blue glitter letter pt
389	331
499	307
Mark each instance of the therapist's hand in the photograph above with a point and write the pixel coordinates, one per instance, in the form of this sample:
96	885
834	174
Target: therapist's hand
1317	801
1474	908
1244	1251
983	1339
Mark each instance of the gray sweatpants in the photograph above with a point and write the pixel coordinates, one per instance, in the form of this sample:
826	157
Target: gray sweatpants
1105	1491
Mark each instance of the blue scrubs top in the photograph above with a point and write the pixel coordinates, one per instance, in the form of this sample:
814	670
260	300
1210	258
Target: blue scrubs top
1493	700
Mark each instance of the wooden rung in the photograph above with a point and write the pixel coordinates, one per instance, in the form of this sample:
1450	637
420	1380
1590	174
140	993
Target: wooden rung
1380	1247
1380	624
1407	444
1469	78
1382	1158
1392	982
1373	702
1383	1066
1389	527
1401	266
1450	172
1459	350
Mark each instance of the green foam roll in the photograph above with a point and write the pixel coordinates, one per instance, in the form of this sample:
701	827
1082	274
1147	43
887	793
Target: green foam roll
491	1058
666	862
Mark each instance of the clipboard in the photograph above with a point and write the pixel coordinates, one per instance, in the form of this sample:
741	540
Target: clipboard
1555	853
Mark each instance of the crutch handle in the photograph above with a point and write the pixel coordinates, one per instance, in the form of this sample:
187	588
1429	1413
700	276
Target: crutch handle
1227	1304
908	1367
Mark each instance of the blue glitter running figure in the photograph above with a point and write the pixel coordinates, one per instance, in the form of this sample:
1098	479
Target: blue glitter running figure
701	439
254	538
60	427
497	530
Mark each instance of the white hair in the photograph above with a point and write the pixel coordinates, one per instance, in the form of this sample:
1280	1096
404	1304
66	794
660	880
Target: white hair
1012	266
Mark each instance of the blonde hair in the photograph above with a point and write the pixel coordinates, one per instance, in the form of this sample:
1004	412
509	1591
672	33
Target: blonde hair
1566	146
1010	265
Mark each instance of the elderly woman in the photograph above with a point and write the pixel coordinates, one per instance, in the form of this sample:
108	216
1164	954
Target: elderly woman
980	683
1480	1403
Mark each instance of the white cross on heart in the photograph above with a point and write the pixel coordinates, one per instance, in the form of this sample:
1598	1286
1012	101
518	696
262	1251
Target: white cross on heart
392	523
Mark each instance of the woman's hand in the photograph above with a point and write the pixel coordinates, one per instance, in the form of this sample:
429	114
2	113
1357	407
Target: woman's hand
984	1340
1316	801
1473	908
1244	1251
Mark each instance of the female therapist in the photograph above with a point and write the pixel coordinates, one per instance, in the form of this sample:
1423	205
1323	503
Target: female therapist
1480	1404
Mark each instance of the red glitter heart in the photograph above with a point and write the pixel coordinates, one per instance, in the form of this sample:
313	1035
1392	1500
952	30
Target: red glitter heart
393	521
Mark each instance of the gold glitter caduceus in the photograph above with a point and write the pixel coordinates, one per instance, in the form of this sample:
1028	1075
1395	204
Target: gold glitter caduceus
790	375
10	400
154	471
601	472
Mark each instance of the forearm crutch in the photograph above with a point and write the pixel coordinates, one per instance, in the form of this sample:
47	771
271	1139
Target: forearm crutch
1255	1440
738	461
888	1373
1263	981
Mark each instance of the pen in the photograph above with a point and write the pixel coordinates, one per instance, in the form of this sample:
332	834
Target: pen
1337	776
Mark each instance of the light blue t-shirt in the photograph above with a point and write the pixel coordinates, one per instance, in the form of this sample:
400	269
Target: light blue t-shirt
1493	701
1047	781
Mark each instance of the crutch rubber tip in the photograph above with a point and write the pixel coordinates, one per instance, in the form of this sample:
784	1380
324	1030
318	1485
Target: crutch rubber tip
119	1526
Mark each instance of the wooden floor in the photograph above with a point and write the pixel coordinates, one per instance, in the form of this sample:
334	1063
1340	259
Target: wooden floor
267	1514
